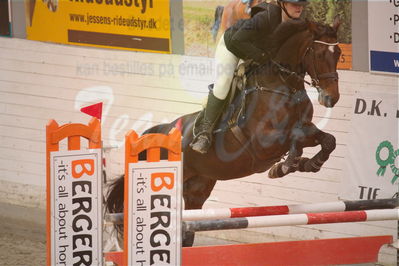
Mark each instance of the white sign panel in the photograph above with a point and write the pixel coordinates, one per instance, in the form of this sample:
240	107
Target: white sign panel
154	213
383	18
371	169
76	207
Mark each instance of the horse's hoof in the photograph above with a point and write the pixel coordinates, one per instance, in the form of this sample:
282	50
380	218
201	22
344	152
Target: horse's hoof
275	172
272	174
279	170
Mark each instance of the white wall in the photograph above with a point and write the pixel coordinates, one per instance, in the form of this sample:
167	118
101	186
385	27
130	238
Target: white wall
40	81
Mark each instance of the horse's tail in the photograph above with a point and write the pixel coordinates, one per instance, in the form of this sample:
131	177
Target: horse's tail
217	21
114	200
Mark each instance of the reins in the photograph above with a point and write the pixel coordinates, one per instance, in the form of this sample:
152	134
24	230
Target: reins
315	80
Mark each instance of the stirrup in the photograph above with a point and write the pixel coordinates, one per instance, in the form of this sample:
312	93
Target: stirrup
201	143
202	133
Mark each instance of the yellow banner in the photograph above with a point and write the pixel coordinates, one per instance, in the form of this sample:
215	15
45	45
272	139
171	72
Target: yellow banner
142	25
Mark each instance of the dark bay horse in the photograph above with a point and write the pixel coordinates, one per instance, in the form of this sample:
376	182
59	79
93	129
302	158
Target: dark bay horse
278	119
227	16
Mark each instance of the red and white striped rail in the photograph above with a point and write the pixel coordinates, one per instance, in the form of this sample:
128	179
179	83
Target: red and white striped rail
336	206
224	213
292	219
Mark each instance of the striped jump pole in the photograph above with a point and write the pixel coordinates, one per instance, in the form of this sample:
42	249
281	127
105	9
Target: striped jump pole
336	206
291	219
224	213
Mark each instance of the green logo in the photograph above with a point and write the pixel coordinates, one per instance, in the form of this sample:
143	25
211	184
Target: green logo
390	161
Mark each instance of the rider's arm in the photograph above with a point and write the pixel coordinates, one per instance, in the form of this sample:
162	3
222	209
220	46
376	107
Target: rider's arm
251	30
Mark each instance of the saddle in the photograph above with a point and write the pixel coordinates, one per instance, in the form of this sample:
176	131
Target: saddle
234	108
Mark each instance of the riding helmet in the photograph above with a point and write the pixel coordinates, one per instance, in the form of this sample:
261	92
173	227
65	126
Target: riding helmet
297	2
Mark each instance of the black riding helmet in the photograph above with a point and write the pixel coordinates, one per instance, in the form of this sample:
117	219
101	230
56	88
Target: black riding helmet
297	2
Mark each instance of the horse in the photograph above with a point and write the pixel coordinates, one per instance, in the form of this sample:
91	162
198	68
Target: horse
227	16
278	119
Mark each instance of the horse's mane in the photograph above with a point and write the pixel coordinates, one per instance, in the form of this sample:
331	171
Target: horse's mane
286	30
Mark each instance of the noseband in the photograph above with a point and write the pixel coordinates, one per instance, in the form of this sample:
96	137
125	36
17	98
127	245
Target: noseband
315	76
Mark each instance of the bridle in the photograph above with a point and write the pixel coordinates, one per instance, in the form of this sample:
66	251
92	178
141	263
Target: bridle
315	76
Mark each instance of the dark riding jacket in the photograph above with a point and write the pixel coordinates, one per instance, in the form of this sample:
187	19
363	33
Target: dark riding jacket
250	38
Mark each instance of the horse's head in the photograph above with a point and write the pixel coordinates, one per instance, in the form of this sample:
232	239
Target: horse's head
313	48
321	59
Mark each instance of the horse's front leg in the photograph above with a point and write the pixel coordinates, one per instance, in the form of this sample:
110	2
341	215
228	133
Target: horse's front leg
196	191
291	163
327	143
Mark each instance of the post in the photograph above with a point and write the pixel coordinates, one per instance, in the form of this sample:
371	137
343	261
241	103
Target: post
74	194
152	203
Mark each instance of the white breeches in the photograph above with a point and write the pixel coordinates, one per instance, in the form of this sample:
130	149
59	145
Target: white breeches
225	64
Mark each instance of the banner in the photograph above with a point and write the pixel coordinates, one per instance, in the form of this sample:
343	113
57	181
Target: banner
76	210
154	220
371	169
384	35
142	25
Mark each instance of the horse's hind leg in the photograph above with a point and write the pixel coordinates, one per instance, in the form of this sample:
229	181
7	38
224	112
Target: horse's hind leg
196	191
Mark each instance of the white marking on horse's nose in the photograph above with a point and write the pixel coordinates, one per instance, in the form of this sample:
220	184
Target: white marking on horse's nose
331	48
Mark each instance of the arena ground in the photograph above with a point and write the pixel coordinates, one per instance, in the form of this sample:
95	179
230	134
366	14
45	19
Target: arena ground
23	236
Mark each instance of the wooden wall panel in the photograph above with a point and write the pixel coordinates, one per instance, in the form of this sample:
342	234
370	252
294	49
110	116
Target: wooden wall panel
41	81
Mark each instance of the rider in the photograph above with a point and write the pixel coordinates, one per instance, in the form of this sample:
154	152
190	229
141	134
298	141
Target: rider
241	41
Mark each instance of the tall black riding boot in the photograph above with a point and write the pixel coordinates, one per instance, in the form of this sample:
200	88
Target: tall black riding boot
203	132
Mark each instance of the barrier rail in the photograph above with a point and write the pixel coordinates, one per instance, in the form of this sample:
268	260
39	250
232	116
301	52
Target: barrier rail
292	219
223	213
